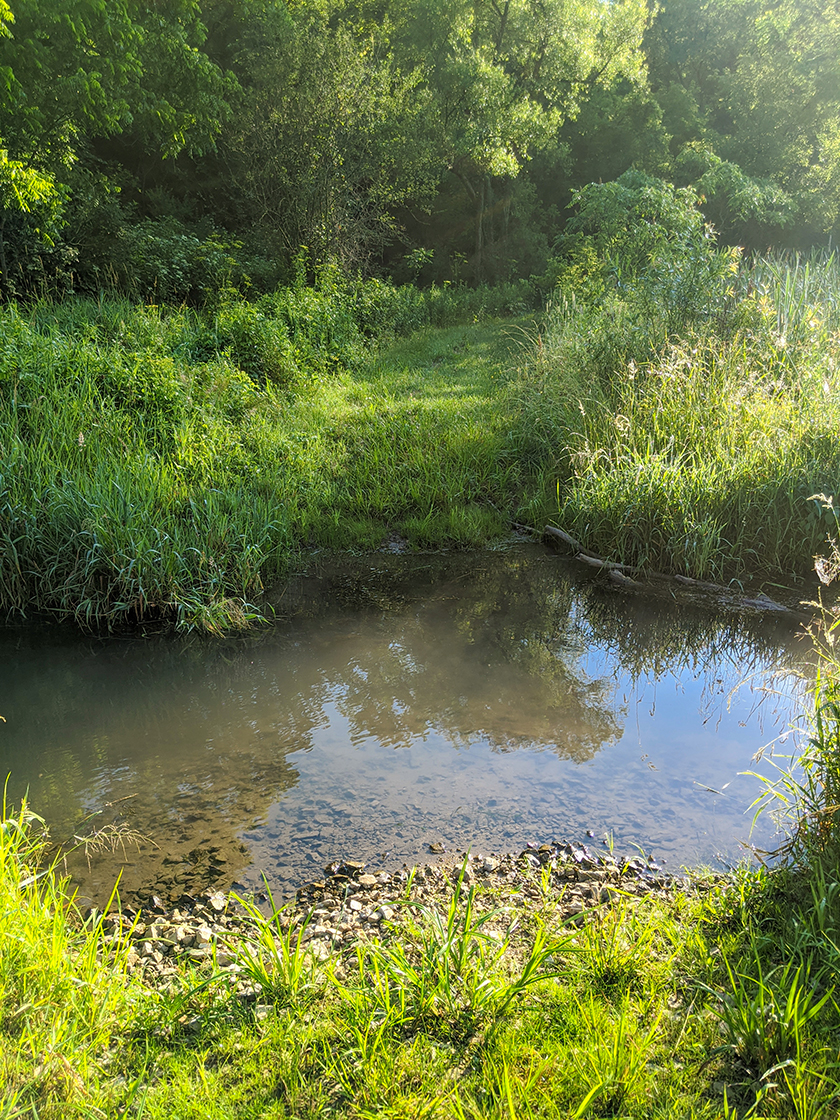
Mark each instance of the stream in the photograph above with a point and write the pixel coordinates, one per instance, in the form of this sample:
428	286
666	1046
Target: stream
398	702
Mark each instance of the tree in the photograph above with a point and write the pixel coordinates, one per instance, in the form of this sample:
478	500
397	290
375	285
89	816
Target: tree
758	86
22	191
329	134
76	71
505	74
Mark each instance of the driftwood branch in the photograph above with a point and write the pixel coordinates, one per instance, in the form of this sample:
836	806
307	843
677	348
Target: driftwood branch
658	583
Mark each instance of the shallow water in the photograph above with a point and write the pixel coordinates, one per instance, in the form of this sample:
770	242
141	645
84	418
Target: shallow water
485	700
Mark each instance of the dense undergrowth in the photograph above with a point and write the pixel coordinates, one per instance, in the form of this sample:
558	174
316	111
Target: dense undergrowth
683	400
722	1003
676	408
159	462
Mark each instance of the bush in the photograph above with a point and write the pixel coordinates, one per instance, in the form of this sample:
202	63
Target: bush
162	260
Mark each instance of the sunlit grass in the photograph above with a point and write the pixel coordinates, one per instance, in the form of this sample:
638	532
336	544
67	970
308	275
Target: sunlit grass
655	1008
64	995
702	456
138	482
156	464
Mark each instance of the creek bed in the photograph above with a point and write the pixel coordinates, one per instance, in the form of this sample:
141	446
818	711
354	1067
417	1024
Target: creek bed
402	705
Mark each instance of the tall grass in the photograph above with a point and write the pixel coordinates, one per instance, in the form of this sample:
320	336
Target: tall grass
64	994
165	464
693	450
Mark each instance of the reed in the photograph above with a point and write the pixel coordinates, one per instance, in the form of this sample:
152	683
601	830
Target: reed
693	450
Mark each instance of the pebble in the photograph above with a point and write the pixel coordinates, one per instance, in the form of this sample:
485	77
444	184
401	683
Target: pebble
350	905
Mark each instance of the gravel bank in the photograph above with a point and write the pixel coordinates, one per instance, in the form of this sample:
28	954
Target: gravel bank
352	904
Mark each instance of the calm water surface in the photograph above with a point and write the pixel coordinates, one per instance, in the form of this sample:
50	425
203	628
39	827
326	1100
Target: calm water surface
484	700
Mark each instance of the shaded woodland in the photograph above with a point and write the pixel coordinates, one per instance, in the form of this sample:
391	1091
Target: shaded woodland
171	149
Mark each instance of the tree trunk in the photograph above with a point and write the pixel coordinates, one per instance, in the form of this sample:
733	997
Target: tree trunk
480	204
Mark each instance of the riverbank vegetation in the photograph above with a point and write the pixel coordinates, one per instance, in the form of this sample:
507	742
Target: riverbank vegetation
683	398
165	463
675	408
280	277
250	256
483	996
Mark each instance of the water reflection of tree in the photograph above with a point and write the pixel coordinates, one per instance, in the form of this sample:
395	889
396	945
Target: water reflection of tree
496	647
491	647
653	639
477	658
89	723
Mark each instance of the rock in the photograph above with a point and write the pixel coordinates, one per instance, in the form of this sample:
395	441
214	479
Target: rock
490	864
355	904
351	868
437	849
367	880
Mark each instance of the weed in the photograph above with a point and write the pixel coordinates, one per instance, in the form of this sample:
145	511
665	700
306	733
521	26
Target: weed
275	956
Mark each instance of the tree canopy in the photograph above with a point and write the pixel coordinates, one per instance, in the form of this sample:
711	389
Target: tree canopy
250	138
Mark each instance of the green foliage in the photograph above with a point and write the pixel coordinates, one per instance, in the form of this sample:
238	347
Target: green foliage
64	995
275	955
764	1017
451	971
166	464
761	88
730	198
161	260
85	68
653	247
685	428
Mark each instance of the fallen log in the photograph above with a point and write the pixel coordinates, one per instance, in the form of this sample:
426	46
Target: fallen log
606	565
576	547
659	584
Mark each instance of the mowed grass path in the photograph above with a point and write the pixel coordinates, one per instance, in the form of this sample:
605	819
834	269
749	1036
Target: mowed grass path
416	442
144	473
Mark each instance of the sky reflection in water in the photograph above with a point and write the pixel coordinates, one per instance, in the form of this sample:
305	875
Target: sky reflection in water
486	699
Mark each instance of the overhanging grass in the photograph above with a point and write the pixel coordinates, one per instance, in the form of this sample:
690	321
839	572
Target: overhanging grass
156	463
140	481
